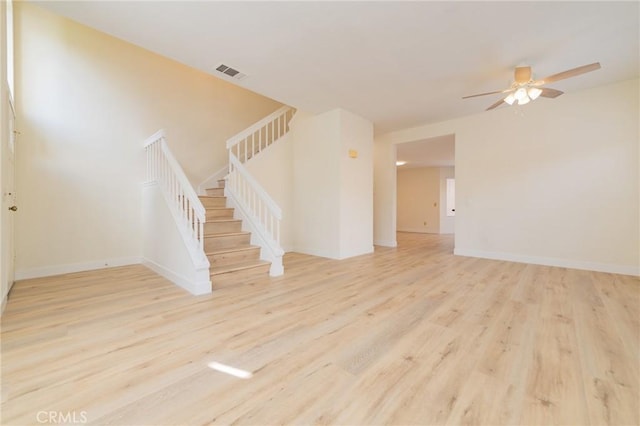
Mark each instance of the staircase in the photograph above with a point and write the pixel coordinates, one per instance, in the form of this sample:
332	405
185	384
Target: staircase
214	250
233	259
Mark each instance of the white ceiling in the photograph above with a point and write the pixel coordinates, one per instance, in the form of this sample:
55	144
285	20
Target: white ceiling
433	152
398	64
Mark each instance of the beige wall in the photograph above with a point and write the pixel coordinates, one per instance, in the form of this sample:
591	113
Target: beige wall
421	198
556	184
418	194
86	102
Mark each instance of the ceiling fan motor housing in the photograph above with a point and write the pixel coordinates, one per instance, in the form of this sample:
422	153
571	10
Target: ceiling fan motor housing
522	75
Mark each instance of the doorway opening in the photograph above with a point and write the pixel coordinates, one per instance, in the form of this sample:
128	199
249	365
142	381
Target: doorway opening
425	186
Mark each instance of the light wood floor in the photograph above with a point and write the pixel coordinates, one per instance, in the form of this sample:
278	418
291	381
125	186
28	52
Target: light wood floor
411	335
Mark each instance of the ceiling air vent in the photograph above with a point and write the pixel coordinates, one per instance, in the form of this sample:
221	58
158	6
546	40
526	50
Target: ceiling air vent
230	72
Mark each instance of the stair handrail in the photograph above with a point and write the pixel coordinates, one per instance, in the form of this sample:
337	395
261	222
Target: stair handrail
261	134
252	197
186	207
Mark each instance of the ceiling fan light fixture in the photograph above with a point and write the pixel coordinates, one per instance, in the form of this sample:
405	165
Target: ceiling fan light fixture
510	99
533	93
521	93
523	101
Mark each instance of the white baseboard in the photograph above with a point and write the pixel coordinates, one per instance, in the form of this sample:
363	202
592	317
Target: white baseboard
48	271
197	287
550	261
313	251
419	230
331	255
385	243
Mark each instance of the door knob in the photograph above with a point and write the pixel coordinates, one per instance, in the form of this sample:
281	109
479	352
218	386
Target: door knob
13	208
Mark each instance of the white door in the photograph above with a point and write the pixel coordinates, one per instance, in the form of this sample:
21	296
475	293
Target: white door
451	197
9	199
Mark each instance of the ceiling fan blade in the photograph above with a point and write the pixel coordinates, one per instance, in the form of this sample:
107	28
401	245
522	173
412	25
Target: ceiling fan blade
550	93
485	94
496	105
569	73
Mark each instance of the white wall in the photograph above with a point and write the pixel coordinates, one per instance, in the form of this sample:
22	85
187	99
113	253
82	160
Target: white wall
557	184
418	193
4	137
86	102
164	250
273	169
356	185
384	193
332	193
316	194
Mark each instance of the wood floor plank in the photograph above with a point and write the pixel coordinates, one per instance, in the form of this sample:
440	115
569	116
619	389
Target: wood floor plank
610	369
558	394
406	335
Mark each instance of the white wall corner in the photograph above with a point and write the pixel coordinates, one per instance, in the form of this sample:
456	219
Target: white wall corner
316	251
386	243
361	252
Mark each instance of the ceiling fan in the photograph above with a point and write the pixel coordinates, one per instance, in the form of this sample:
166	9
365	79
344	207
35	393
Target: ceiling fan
524	89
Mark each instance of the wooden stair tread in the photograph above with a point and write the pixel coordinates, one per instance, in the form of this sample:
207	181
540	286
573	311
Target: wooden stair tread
241	266
231	250
227	234
233	259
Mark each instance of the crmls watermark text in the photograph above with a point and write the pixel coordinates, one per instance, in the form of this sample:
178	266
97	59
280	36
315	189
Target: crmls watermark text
57	417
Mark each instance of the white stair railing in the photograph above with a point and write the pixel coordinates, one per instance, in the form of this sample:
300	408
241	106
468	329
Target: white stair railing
260	135
258	209
185	206
262	214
